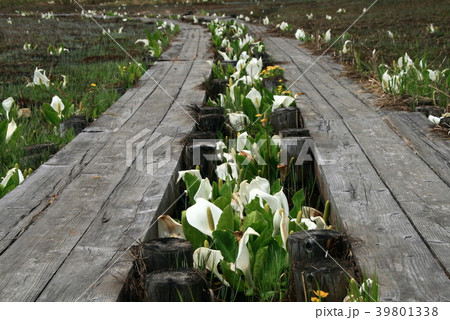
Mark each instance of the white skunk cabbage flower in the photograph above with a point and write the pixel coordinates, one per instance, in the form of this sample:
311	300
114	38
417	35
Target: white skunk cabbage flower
435	120
266	21
12	126
405	61
238	121
254	68
255	96
434	75
40	78
283	26
327	36
281	101
309	16
209	259
204	190
169	228
386	81
222	171
9	174
7	104
241	141
57	105
328	17
204	216
243	258
144	41
194	172
345	49
300	34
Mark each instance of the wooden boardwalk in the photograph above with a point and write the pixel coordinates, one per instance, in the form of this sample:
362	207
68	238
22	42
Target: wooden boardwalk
386	175
65	231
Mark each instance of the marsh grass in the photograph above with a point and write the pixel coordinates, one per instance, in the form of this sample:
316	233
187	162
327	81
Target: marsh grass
97	72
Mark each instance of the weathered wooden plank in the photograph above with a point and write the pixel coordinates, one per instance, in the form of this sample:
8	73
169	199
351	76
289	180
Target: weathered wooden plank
98	200
22	206
130	210
366	209
356	190
415	130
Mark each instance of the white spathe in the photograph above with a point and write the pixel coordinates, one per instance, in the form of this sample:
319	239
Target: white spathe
222	171
345	49
12	126
40	78
255	96
194	172
169	228
209	259
197	216
300	34
7	104
57	105
9	174
238	120
241	141
327	36
281	101
204	190
254	67
243	258
144	41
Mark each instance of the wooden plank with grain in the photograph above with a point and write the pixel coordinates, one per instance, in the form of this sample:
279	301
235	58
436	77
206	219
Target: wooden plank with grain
332	119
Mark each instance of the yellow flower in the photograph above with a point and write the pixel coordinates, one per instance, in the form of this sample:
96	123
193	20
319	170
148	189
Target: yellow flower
321	294
263	120
258	115
315	299
93	85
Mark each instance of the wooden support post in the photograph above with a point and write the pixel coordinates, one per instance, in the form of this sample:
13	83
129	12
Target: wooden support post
312	244
77	123
211	122
325	274
285	118
167	253
318	261
185	285
201	151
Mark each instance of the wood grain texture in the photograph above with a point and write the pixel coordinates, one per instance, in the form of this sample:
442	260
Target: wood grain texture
416	130
75	248
359	169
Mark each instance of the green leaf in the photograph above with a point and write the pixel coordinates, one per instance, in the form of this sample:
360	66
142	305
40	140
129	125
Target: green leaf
298	199
192	185
3	129
261	260
276	187
215	191
226	191
226	242
249	109
222	202
51	115
226	220
196	237
255	220
233	278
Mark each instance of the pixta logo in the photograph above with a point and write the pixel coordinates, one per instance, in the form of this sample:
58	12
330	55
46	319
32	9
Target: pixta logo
148	151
